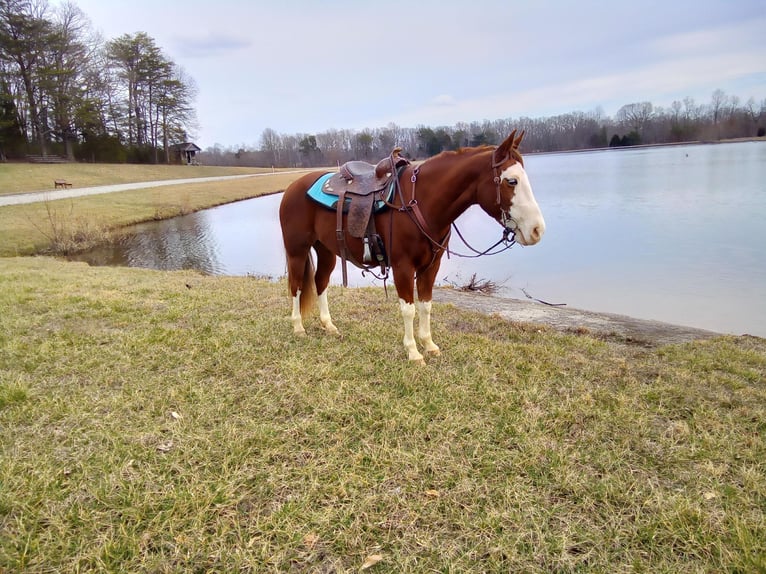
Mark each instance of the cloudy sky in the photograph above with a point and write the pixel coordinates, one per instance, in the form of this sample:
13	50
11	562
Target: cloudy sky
301	66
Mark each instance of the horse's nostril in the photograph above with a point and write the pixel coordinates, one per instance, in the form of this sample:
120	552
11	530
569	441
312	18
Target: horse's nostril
536	233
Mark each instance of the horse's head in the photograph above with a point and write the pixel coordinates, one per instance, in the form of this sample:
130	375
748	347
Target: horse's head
510	200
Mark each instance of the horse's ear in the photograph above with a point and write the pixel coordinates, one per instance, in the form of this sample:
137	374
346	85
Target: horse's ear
517	141
504	148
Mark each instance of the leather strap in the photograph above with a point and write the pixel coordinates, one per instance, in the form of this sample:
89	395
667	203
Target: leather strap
340	236
413	208
496	171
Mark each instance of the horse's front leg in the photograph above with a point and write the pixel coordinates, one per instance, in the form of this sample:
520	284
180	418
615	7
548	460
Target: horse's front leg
425	284
424	328
404	279
324	314
408	315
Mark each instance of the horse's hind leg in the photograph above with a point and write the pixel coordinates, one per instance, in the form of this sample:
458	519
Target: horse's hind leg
325	264
300	273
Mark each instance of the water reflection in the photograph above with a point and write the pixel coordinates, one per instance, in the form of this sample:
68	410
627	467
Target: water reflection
186	242
673	234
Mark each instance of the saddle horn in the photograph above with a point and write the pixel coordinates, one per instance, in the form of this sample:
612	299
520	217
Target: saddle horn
387	166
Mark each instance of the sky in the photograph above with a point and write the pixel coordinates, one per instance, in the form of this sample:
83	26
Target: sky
303	67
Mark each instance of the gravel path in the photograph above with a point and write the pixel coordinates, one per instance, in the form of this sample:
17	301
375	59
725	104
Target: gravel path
51	195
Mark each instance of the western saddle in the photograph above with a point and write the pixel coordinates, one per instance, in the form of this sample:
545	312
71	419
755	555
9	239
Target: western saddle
360	188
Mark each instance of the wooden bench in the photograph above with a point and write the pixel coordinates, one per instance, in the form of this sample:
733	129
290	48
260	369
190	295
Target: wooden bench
61	183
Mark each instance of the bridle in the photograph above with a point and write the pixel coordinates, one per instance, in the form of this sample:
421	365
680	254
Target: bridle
509	224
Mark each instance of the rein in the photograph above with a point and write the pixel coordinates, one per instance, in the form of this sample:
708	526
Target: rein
488	251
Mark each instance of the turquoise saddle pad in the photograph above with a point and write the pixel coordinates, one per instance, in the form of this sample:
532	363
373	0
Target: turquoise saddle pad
331	201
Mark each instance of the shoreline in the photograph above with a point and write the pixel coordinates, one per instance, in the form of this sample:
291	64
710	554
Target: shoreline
611	326
755	139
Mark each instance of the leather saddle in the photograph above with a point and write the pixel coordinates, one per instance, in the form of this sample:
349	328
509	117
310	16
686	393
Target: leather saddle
360	186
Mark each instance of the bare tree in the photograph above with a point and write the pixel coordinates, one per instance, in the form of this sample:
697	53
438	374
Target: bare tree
754	112
635	116
717	102
271	144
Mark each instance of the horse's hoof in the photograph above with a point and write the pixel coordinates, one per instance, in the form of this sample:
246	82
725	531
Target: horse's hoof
434	352
332	330
300	334
421	362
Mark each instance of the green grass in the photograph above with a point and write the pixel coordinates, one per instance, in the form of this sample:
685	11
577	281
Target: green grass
170	422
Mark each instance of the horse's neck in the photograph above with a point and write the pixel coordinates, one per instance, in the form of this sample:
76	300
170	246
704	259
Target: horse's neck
449	186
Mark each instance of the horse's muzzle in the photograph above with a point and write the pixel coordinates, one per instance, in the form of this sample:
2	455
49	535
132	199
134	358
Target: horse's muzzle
526	236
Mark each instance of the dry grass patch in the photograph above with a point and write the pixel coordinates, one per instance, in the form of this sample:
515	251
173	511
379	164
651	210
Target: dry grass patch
147	425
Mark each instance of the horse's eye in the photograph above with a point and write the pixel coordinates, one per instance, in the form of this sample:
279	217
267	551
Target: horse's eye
512	181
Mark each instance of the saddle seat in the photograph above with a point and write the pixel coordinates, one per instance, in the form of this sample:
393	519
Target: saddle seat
362	178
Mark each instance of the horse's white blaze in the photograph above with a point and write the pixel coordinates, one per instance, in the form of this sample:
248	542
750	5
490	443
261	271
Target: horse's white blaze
424	327
295	317
408	315
324	314
524	209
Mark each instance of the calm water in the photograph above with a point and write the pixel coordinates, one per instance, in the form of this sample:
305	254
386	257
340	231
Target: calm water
676	234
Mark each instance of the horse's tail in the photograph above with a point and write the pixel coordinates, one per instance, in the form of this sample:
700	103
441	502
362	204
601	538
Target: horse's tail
308	287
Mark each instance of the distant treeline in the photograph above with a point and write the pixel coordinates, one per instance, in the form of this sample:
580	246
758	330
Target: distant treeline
637	123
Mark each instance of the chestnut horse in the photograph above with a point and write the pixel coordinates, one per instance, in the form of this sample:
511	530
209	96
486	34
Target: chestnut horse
415	230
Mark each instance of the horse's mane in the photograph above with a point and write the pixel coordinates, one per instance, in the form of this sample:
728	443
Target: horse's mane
471	151
467	151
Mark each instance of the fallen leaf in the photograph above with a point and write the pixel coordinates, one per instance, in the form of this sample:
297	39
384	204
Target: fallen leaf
371	561
165	446
310	540
433	493
175	415
709	495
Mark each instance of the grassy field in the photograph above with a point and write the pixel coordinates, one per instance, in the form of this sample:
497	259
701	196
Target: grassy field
24	177
170	422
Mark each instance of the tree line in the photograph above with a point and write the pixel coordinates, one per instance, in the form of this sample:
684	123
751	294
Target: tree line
724	117
65	91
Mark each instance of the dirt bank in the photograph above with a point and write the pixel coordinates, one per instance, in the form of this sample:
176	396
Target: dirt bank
608	325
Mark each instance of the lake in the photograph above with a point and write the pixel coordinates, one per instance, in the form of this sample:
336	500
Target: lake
676	234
